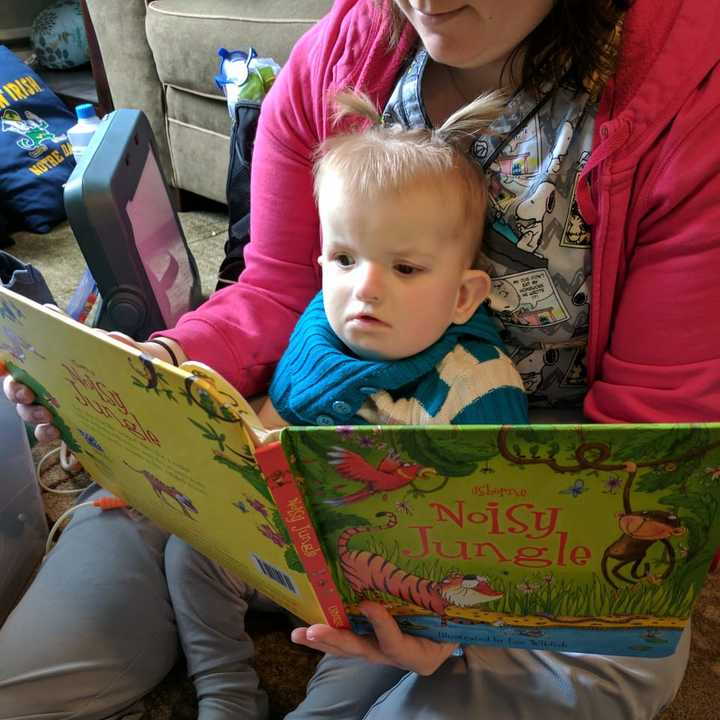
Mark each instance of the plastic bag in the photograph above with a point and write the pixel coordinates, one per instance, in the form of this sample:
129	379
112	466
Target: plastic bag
244	76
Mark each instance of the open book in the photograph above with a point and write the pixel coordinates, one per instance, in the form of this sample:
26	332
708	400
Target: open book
587	538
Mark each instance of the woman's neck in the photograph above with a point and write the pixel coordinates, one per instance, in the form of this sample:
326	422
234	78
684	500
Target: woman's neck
471	82
446	89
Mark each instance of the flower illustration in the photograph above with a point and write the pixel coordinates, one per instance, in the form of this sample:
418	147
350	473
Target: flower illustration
714	472
366	442
526	587
345	430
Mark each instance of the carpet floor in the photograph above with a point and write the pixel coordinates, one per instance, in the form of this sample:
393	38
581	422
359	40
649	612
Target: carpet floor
284	668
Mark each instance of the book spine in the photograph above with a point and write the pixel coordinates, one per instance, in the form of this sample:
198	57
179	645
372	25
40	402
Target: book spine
285	489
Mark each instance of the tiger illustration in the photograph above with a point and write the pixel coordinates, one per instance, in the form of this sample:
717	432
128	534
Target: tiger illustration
368	571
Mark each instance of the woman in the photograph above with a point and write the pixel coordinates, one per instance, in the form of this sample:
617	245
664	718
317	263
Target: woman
602	234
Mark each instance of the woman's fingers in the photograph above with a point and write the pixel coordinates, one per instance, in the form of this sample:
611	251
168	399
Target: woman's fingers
417	654
122	337
342	643
17	392
46	432
37	415
389	636
388	645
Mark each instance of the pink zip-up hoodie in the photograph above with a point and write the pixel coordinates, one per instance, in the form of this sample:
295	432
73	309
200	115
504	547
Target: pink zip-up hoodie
650	191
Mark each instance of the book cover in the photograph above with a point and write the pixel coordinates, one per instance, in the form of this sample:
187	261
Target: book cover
586	538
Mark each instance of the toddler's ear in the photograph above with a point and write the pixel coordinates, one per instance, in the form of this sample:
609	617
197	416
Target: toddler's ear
474	289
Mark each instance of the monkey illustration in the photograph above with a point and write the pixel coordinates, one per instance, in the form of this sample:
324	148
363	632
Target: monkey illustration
641	529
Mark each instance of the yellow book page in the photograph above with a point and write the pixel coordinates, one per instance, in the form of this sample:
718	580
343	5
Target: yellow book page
172	442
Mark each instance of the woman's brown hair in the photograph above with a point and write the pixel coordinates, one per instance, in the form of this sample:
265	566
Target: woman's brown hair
577	41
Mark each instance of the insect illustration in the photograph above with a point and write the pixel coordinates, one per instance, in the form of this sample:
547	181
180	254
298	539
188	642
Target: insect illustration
402	506
576	489
613	484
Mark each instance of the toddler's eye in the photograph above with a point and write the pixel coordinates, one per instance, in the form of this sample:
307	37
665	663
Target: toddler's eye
405	269
344	260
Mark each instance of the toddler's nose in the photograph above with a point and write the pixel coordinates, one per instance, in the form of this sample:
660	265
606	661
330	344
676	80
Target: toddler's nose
369	284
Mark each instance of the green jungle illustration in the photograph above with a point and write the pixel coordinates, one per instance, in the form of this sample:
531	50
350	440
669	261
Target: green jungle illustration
659	492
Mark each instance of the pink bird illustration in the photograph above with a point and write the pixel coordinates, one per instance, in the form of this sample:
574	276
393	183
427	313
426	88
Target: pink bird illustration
391	473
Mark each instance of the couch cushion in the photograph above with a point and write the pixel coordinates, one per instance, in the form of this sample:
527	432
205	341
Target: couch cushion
198	131
185	34
193	109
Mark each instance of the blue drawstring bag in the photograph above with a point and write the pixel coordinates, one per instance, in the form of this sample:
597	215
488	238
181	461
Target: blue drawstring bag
35	155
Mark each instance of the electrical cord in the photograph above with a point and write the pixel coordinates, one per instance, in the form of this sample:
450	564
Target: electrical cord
104	503
66	465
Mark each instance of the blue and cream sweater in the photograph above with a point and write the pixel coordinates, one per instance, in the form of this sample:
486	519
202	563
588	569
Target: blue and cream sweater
463	378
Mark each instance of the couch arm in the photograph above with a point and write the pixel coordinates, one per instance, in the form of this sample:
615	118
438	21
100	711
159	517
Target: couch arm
130	67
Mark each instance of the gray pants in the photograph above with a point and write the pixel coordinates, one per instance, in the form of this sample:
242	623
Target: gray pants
498	684
99	626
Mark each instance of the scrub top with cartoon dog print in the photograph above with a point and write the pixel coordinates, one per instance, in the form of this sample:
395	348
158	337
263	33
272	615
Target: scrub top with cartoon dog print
536	246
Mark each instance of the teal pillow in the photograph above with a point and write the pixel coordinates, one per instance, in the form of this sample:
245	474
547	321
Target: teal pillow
58	36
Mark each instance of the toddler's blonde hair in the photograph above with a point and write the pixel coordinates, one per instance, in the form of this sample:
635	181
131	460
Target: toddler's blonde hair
390	158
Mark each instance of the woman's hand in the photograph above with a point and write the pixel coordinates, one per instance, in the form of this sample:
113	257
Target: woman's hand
37	415
389	645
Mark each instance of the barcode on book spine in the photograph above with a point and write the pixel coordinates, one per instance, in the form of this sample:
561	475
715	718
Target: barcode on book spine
274	574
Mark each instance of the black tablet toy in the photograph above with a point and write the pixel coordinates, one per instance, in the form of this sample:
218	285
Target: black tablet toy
120	211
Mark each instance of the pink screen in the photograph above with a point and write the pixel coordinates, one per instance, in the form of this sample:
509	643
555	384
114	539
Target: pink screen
160	243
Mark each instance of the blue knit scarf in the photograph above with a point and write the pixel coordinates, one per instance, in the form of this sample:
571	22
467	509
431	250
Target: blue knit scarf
320	381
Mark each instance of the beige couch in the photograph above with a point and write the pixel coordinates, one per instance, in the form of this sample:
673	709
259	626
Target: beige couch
161	56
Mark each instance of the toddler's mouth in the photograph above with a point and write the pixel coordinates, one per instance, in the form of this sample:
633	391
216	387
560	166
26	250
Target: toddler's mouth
366	319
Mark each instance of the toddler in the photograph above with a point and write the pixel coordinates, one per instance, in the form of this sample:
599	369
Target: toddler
400	333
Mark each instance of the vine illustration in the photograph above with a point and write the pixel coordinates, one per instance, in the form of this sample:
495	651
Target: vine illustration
641	530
